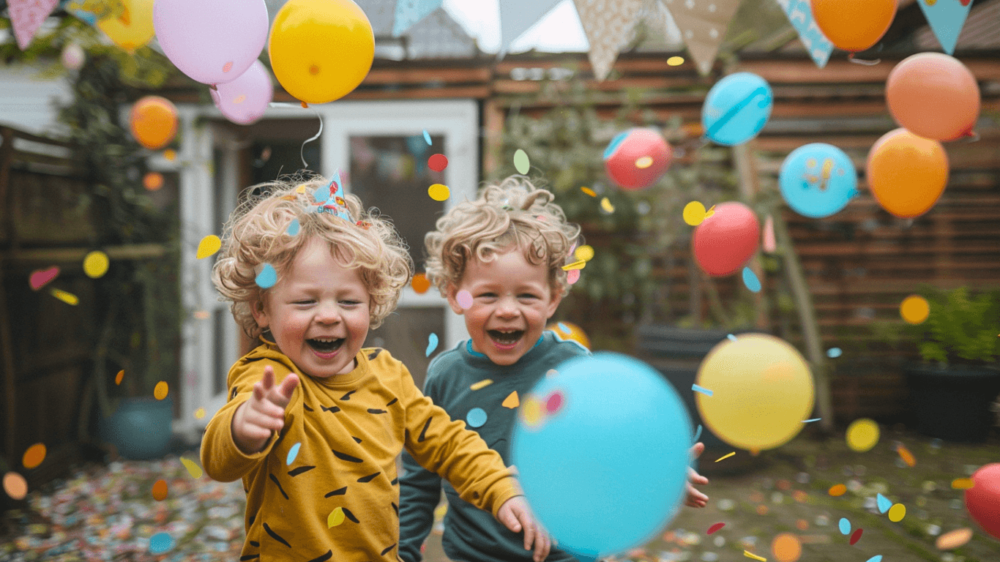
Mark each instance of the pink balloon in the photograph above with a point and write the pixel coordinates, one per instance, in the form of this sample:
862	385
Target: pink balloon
212	41
245	99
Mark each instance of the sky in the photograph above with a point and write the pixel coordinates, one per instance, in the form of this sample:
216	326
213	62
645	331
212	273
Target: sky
557	31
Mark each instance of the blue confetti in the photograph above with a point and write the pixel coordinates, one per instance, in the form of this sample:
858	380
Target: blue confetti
267	277
812	420
292	453
750	280
563	328
293	227
427	137
704	391
845	526
432	343
697	434
476	417
731	337
884	503
834	352
877	558
160	543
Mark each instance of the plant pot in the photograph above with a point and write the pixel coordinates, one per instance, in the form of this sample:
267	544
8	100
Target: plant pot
953	403
140	429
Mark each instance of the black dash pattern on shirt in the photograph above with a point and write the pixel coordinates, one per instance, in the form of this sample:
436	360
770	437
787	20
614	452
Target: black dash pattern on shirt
233	393
376	411
249	557
252	517
356	440
345	456
281	436
280	489
369	478
348	395
349	515
332	410
394	481
396	509
423	432
337	492
300	470
394	400
307	408
324	557
374	354
276	536
255	544
388	549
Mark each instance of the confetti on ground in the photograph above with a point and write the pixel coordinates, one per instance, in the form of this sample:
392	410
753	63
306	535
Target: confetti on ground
41	277
33	456
160	490
915	309
292	453
588	191
715	527
294	227
724	457
812	420
897	513
336	516
161	390
432	343
464	299
192	467
786	547
845	526
119	377
834	352
704	391
731	337
579	264
427	137
953	539
68	298
439	192
481	384
838	490
476	417
962	483
876	558
15	485
862	435
267	277
856	536
160	543
606	205
512	401
883	503
585	253
95	264
694	213
210	244
521	162
749	554
907	456
437	162
750	280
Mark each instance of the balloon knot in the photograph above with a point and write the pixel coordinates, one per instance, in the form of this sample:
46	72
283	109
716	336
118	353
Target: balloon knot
305	105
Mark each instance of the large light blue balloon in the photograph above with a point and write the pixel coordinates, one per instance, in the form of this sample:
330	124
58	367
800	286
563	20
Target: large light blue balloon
818	180
736	108
607	470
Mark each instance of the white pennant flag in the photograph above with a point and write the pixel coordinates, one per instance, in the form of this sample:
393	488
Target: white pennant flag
703	25
516	16
609	25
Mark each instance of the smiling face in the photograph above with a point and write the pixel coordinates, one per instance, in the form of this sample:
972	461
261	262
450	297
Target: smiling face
511	301
318	312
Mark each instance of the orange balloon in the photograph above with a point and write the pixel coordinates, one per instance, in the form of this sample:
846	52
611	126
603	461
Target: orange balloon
907	174
933	95
853	25
153	122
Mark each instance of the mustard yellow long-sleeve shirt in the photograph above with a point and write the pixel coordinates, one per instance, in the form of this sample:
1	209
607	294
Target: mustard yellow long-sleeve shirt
338	499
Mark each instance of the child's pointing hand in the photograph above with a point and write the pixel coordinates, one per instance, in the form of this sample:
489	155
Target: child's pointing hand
263	413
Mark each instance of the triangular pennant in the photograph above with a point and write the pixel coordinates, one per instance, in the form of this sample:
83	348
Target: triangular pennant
703	25
799	13
27	16
409	12
516	16
946	18
609	25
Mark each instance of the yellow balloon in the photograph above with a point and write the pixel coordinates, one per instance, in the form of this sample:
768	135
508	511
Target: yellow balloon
570	331
132	27
761	391
321	49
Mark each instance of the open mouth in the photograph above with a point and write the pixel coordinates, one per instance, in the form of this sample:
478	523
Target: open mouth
325	345
506	337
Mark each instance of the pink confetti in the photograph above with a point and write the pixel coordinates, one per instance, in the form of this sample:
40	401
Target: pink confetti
464	299
573	276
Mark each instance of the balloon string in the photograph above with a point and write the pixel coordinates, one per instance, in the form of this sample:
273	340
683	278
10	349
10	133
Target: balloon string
864	62
302	151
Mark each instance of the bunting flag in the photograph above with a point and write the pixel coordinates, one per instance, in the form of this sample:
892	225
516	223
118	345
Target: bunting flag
27	16
799	13
516	16
609	25
946	18
703	24
409	12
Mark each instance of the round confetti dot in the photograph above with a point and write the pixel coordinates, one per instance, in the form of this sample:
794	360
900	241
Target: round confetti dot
152	181
267	277
802	525
761	510
862	435
420	283
199	413
160	543
464	299
335	518
897	513
192	467
834	352
786	547
15	485
170	154
95	264
554	402
953	539
715	527
292	453
521	162
838	490
845	526
34	456
585	253
476	417
531	412
119	376
208	246
675	61
160	390
294	227
644	162
437	162
439	192
573	276
915	309
694	213
856	536
160	490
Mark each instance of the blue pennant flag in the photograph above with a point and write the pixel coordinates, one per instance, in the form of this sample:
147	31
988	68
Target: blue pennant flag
946	18
800	15
409	12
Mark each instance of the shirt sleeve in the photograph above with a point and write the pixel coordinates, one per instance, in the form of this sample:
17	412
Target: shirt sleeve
460	456
220	457
419	494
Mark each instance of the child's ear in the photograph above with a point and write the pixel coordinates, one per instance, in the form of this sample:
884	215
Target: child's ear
452	293
553	302
259	314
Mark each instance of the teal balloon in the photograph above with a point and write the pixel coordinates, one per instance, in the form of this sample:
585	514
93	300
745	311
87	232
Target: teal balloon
737	108
605	466
818	180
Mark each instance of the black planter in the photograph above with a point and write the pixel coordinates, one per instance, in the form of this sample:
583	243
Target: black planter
953	403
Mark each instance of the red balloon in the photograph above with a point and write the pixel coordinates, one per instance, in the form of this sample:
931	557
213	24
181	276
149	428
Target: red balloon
983	499
636	158
725	241
437	162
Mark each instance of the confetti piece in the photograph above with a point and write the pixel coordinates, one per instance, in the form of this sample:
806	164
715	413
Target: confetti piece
838	490
41	277
336	516
675	61
710	211
160	543
812	420
607	206
427	137
962	483
704	391
749	554
585	253
715	527
68	298
697	434
573	276
33	456
531	412
267	277
897	513
119	377
644	162
915	309
954	539
202	315
750	280
292	453
439	192
845	526
464	299
856	536
432	343
15	485
476	417
694	213
877	558
95	264
294	227
883	502
161	390
211	244
199	413
725	456
420	283
152	181
769	243
907	456
160	490
437	162
786	547
512	401
731	337
192	467
834	352
521	162
481	384
862	435
579	264
554	402
588	191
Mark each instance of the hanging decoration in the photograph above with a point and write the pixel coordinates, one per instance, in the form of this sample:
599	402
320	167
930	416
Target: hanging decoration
516	16
703	25
800	15
946	19
409	12
27	16
609	26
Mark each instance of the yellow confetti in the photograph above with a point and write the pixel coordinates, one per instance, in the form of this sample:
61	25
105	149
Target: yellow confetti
68	298
119	377
208	246
862	435
192	467
962	483
675	61
954	539
607	206
907	456
199	413
170	154
531	413
644	162
301	188
588	191
694	213
725	457
95	264
440	511
512	401
575	265
897	513
915	309
481	384
710	212
439	192
160	390
749	554
335	518
585	253
838	490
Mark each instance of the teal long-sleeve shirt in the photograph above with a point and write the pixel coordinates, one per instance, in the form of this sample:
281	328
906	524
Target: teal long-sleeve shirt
470	534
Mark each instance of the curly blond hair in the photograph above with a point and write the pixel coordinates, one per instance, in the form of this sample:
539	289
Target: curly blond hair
512	213
257	233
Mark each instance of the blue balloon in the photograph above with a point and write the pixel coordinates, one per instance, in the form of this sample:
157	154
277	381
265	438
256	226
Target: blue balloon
818	180
737	108
602	453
